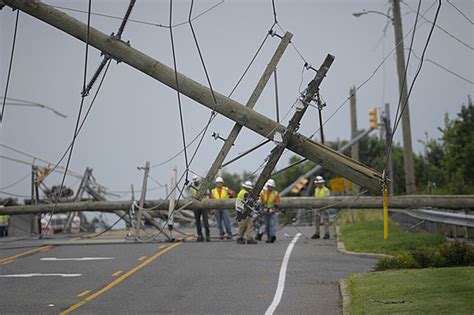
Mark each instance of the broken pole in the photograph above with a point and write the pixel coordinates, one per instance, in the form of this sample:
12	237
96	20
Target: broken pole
229	142
119	50
146	170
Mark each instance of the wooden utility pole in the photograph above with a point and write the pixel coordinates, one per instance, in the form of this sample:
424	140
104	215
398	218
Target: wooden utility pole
388	136
172	207
300	108
355	147
229	142
402	84
454	202
119	50
146	170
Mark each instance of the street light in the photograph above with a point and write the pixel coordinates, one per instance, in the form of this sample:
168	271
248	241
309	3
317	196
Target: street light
358	14
402	84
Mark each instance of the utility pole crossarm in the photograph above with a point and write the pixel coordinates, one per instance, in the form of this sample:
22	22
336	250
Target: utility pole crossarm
320	154
229	142
293	125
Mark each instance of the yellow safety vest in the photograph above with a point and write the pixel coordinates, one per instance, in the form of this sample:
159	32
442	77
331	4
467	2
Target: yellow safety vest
224	193
3	220
321	192
241	194
194	191
271	199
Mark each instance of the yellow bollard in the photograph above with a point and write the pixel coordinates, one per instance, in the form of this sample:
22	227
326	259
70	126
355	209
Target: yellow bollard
385	213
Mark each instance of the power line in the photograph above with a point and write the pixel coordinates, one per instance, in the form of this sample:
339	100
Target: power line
138	21
444	30
178	93
83	96
17	182
443	67
397	121
460	12
10	65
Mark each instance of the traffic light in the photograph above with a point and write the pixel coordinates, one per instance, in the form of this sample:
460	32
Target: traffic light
300	185
373	119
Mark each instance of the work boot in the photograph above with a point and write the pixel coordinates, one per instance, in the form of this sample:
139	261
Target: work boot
208	238
200	238
229	236
326	236
268	240
252	242
221	237
315	236
240	241
273	239
259	236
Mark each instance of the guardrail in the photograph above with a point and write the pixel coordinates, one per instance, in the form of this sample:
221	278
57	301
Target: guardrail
449	224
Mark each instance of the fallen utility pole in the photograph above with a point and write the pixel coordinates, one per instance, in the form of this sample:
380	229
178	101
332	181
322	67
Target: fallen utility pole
300	108
237	127
121	51
453	202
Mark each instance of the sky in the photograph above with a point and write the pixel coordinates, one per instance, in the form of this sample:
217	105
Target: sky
136	118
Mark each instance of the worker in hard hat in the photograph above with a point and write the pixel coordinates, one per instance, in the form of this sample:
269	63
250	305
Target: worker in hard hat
198	213
222	215
270	199
321	191
4	225
241	206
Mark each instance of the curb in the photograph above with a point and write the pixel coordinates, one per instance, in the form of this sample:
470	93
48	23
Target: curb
346	299
342	249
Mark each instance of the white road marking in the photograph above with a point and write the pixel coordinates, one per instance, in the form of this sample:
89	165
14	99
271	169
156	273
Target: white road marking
281	279
76	259
30	275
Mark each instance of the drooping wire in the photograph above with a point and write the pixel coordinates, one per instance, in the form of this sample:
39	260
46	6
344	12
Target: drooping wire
372	75
138	21
16	182
84	119
397	121
400	99
274	12
444	30
442	67
10	66
460	12
178	93
83	96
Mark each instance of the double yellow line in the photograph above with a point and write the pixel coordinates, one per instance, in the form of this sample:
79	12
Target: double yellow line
119	279
7	260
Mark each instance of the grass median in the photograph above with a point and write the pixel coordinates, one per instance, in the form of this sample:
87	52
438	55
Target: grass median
366	235
413	291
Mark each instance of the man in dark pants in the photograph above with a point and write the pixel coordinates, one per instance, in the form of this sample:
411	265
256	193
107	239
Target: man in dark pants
200	212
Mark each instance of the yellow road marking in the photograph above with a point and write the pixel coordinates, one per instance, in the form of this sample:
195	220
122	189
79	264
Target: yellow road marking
141	258
162	246
84	293
7	262
119	279
115	274
34	250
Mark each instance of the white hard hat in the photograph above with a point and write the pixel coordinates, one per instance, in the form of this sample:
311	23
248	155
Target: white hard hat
195	178
319	180
248	184
271	183
219	180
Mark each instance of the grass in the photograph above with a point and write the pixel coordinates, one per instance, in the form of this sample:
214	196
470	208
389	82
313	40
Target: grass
366	235
413	291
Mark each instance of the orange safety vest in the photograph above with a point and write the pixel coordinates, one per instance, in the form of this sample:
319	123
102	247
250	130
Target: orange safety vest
269	199
222	194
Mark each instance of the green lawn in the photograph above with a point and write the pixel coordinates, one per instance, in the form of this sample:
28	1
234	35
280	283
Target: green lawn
413	291
366	235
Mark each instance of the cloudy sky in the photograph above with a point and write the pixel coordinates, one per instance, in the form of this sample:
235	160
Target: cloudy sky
136	118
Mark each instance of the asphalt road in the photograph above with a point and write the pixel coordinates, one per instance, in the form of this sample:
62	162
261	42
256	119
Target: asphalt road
220	277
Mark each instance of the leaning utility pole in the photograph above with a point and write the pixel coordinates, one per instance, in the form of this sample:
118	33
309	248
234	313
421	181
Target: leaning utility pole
402	84
119	50
229	142
146	170
355	147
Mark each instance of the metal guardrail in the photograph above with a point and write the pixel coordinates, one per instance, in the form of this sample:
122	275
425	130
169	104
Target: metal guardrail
438	221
